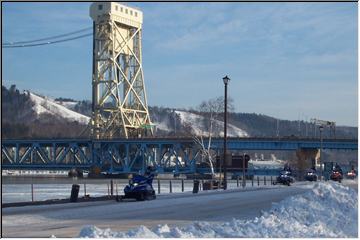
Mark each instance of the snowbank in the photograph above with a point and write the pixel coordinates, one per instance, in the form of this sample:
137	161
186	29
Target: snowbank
328	210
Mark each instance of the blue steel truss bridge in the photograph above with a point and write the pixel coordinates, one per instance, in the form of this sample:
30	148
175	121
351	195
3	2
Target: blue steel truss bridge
167	155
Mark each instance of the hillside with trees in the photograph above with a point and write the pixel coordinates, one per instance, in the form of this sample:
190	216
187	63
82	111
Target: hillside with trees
19	120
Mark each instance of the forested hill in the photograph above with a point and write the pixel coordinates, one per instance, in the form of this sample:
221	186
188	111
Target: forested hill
30	115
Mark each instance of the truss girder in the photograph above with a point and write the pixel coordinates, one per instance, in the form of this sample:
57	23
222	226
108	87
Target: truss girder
125	157
47	155
119	98
137	155
132	156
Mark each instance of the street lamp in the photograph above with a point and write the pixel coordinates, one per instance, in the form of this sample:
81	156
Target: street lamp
321	146
226	80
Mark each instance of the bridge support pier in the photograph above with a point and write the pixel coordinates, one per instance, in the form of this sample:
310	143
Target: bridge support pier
306	158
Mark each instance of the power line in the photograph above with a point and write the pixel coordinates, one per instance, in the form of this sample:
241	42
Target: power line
47	43
47	38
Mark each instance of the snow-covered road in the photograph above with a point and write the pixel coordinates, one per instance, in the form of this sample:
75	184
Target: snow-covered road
66	220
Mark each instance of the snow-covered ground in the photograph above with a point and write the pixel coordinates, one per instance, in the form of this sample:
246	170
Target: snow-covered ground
328	210
302	210
65	109
48	105
196	122
68	104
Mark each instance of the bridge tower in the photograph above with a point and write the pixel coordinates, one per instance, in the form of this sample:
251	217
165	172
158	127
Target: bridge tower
119	101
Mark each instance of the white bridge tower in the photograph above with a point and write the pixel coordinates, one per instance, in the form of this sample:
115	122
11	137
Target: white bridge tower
118	92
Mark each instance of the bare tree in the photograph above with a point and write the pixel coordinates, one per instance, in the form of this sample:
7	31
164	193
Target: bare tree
211	110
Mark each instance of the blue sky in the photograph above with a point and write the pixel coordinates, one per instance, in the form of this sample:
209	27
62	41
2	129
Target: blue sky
287	60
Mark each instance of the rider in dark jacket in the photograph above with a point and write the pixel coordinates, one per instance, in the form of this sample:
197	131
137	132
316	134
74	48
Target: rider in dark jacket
338	168
149	172
287	168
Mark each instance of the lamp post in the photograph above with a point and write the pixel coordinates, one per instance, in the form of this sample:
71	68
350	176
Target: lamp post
321	146
226	80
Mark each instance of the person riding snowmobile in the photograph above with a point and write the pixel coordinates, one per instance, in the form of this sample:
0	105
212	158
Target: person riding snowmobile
149	173
285	176
338	168
311	175
287	168
337	174
140	186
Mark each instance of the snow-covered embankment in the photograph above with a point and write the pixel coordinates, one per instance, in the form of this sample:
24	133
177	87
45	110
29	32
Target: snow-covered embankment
328	210
47	105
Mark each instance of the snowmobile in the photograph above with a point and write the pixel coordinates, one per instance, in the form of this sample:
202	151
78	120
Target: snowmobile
140	187
336	175
285	178
351	174
311	175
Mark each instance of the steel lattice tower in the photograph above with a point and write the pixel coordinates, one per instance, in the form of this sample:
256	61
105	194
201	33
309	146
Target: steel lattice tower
118	91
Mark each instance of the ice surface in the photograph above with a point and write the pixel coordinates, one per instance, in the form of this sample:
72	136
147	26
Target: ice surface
327	210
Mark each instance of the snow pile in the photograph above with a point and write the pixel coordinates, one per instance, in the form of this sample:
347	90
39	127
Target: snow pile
47	105
196	122
328	210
